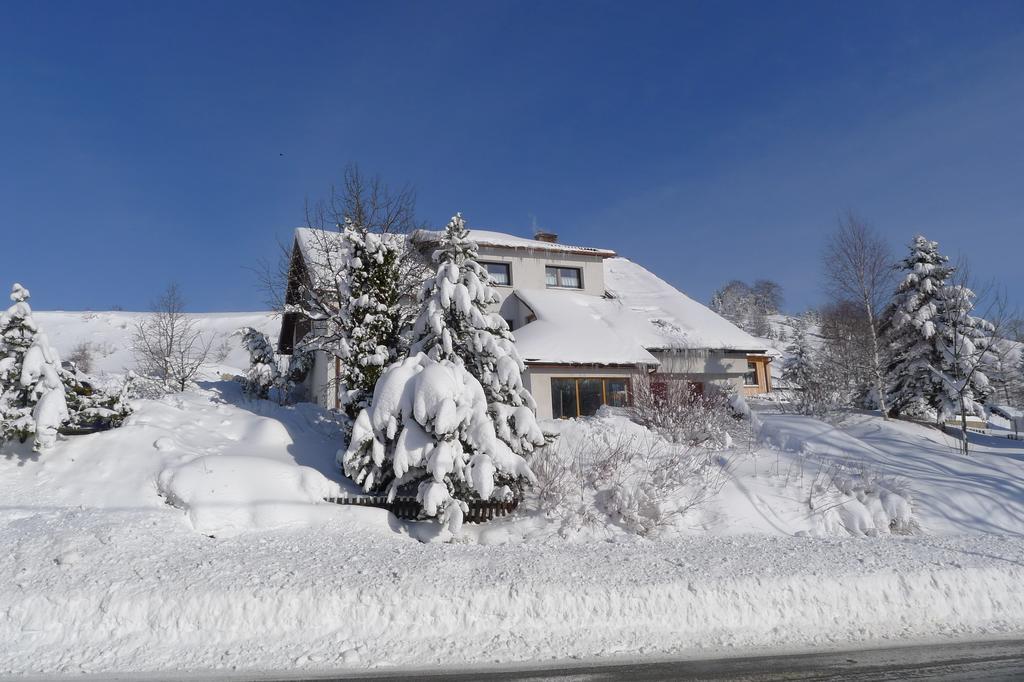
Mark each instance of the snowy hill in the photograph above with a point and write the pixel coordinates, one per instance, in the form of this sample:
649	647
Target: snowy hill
108	335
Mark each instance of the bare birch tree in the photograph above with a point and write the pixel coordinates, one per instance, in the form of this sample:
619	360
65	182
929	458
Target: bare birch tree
168	344
370	205
858	267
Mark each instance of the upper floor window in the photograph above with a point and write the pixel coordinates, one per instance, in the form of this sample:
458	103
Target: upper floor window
563	277
501	273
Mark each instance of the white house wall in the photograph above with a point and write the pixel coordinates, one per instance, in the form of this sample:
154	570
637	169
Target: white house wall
527	269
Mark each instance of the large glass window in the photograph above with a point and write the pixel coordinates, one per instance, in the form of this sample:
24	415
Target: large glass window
583	396
616	392
501	273
563	277
591	395
563	398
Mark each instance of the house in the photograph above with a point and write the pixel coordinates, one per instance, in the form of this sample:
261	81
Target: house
587	324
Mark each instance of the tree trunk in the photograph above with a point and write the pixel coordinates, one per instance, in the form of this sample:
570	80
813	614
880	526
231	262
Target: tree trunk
879	387
963	426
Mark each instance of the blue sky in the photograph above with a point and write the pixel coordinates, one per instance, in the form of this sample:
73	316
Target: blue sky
144	142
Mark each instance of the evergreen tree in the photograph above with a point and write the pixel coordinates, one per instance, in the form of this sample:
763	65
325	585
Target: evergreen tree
455	324
17	334
368	319
263	373
909	325
32	399
428	430
455	329
962	341
801	370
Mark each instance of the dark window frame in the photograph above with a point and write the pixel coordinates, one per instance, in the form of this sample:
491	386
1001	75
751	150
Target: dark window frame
505	264
558	277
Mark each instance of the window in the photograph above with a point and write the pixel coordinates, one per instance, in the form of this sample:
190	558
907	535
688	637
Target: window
581	397
511	323
563	277
501	273
750	378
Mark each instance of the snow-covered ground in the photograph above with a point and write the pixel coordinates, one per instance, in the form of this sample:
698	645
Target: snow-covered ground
193	538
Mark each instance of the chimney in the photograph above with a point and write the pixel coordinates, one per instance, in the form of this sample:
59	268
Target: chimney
549	237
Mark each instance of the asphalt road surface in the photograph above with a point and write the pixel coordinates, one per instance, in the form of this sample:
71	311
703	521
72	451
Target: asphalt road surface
953	662
997	660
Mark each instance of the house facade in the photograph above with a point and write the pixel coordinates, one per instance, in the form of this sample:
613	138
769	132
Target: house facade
588	324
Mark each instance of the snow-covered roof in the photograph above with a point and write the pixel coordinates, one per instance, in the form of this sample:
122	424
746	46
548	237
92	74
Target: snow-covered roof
500	239
314	242
671	319
576	328
644	313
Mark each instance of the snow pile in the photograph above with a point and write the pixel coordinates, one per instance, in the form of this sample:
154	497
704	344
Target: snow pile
226	495
859	504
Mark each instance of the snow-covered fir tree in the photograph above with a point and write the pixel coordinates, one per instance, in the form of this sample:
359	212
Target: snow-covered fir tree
455	324
368	315
32	397
17	334
800	369
427	429
263	373
909	325
455	328
962	340
934	344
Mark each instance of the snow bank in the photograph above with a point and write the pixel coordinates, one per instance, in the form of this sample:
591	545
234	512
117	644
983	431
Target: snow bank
226	495
137	593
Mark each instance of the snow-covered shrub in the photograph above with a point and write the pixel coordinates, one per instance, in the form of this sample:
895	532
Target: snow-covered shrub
81	357
427	429
455	324
263	373
31	391
90	407
672	408
860	502
611	470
